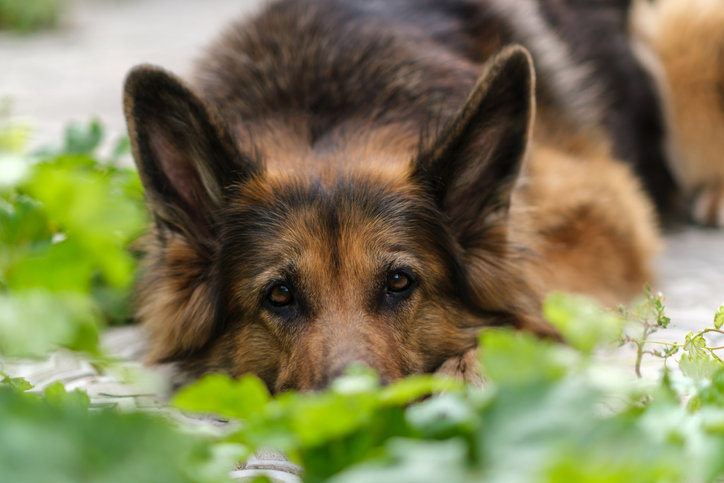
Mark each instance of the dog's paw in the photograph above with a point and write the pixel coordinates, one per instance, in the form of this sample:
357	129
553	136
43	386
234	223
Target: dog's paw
465	367
708	206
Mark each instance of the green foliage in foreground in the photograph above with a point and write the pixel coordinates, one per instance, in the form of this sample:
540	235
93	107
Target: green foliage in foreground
66	220
55	437
548	412
27	15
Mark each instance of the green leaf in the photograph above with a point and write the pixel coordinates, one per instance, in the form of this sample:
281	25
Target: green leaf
413	461
57	394
121	148
81	139
695	345
34	322
712	393
20	384
699	366
66	228
521	358
358	379
414	387
60	439
245	398
581	321
23	223
14	137
55	267
28	15
719	317
317	418
443	416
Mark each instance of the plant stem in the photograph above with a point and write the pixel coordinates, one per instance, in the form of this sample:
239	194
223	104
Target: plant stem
710	330
640	349
672	344
711	351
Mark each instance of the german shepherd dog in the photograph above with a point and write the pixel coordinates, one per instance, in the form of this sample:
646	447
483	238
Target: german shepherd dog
681	42
376	181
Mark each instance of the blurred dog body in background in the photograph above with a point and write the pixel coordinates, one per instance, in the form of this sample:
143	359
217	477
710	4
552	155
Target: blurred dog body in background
377	181
682	45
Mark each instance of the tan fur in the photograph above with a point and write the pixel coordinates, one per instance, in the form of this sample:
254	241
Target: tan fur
596	230
336	291
683	42
586	218
176	298
327	184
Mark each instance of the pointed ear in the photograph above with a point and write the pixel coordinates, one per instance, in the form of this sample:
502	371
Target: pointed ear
473	164
184	153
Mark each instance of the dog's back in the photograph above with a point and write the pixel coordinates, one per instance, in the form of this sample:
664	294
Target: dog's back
327	71
328	60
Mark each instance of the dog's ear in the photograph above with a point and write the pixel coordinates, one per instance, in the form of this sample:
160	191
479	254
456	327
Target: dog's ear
184	153
472	165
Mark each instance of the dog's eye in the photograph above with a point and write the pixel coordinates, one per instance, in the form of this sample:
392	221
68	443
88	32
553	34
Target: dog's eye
398	282
280	295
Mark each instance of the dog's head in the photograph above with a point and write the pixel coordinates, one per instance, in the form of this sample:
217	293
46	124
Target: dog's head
295	274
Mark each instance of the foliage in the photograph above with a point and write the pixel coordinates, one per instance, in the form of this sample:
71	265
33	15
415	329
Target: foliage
27	15
699	361
55	437
66	220
548	412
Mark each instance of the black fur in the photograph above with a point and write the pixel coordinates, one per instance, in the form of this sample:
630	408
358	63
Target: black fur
596	32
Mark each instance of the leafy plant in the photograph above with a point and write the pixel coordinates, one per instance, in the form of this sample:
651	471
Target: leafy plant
699	361
66	221
55	437
28	15
548	412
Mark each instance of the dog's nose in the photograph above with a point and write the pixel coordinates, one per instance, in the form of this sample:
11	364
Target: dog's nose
338	370
332	374
341	370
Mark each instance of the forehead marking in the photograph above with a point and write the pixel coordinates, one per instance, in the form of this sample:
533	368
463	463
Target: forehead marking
329	226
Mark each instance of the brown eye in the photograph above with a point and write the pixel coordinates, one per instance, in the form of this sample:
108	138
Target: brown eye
398	282
280	295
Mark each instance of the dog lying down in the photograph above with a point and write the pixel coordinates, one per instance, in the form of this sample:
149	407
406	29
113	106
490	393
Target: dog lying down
377	181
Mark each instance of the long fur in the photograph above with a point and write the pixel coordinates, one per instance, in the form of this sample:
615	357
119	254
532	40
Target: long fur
327	146
682	44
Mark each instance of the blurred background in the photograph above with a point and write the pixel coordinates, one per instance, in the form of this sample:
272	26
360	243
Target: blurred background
65	60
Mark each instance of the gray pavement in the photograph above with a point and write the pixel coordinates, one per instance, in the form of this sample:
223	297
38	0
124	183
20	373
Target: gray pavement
76	72
691	276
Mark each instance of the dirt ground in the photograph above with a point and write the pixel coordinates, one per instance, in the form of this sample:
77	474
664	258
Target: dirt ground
76	73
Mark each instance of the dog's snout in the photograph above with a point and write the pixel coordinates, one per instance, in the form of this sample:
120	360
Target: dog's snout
338	370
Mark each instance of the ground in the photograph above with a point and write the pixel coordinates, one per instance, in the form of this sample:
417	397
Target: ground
76	72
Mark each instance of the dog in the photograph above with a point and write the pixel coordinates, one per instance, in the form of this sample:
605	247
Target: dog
681	43
375	182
